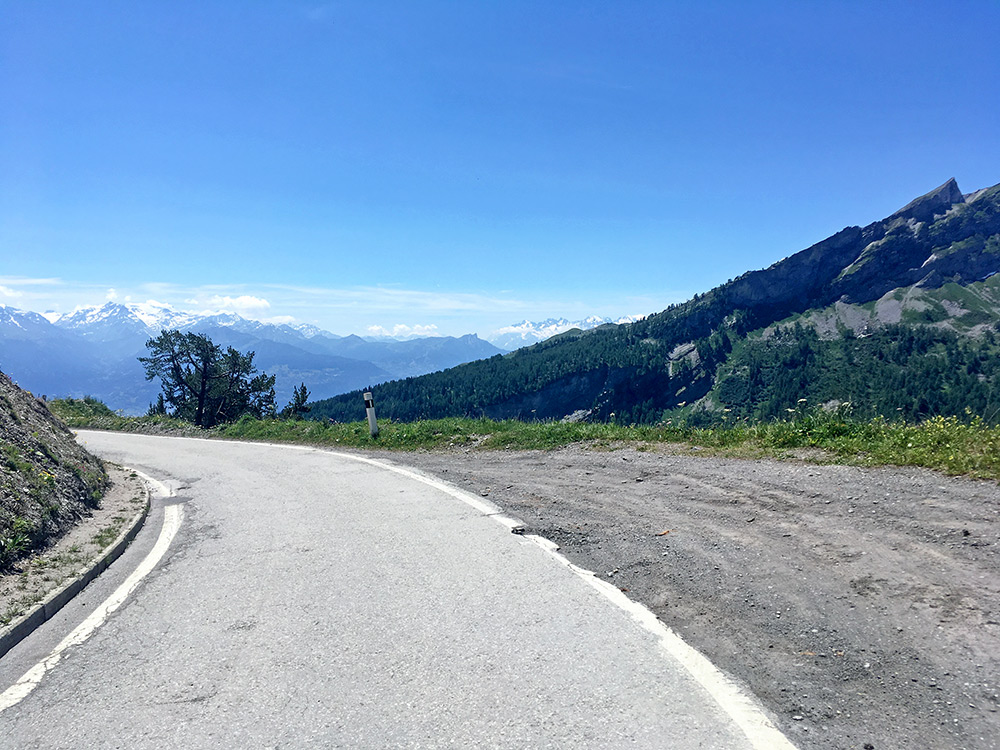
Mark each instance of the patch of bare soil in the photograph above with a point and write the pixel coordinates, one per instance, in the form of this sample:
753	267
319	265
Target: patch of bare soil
861	606
32	578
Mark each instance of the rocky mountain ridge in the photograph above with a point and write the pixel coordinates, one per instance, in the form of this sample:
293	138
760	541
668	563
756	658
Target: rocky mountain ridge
921	244
943	240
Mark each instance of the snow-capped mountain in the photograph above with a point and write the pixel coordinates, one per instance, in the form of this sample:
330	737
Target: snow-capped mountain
311	332
37	355
28	322
94	351
527	333
147	317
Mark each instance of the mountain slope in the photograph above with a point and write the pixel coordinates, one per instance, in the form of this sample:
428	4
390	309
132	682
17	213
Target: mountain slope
669	360
38	355
47	481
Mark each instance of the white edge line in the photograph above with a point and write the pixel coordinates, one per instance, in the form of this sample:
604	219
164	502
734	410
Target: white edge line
172	517
745	711
742	708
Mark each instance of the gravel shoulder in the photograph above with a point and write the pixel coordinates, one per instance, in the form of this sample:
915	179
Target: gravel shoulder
861	606
36	576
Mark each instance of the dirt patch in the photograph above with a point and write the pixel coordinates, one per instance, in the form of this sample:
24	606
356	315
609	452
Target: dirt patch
32	578
862	606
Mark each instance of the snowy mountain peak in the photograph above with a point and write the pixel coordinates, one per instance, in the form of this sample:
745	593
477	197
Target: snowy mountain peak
527	333
156	316
228	320
20	319
149	317
86	316
311	331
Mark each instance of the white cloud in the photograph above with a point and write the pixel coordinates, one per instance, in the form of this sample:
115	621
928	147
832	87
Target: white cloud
112	295
6	291
25	281
244	304
403	331
155	303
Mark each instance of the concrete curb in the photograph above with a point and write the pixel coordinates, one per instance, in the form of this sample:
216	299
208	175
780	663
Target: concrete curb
20	628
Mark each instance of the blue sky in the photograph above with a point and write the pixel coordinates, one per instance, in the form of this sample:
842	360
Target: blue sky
454	167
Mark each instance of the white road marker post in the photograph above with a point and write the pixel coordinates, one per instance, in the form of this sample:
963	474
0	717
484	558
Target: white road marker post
370	409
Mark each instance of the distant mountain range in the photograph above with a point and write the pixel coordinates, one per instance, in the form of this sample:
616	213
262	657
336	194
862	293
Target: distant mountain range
94	351
527	333
899	317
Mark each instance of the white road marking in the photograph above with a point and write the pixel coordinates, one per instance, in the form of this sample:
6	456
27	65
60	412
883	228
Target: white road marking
172	517
741	707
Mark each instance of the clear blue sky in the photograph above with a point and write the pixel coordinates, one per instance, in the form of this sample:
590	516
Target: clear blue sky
465	164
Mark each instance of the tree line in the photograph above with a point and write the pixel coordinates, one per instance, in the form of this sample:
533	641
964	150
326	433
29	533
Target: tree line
900	372
908	372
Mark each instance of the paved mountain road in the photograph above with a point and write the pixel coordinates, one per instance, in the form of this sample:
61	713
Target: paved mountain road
314	600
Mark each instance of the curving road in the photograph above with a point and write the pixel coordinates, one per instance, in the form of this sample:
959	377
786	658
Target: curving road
313	599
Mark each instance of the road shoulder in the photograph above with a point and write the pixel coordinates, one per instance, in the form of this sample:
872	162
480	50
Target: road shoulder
857	604
41	584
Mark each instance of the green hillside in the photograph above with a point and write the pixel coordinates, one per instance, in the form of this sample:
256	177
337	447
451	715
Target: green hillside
863	299
898	371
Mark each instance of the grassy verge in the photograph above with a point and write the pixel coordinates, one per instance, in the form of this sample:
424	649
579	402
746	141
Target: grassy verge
948	444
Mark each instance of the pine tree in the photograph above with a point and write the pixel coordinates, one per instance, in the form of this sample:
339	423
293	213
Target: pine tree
297	408
203	384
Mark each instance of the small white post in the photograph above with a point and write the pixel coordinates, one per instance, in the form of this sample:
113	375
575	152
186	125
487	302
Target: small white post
370	409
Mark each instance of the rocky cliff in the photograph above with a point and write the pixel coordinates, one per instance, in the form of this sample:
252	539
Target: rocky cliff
937	238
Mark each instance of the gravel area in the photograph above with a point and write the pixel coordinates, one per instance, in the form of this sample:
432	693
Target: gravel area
861	606
36	576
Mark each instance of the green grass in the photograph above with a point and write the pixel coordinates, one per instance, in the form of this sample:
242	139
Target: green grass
107	535
83	408
93	414
947	444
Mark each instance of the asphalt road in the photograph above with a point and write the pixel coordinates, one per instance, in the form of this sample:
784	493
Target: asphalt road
311	599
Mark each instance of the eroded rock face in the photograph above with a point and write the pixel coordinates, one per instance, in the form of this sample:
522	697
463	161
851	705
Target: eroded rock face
932	240
47	480
927	206
806	274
